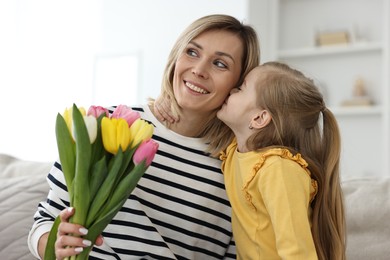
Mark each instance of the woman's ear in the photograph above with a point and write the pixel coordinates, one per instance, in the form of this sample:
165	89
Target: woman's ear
261	119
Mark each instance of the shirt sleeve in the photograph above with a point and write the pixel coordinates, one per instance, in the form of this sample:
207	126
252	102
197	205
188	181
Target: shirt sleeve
285	188
47	211
231	251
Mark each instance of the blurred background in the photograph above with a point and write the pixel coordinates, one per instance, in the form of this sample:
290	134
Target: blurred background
109	52
103	52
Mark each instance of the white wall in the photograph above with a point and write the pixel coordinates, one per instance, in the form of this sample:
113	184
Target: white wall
48	51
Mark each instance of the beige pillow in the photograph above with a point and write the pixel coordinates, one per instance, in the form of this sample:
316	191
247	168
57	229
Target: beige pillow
367	205
22	186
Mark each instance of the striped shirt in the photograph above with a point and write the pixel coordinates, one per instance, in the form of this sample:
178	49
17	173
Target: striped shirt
179	209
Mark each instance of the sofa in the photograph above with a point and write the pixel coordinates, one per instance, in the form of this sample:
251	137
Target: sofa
23	185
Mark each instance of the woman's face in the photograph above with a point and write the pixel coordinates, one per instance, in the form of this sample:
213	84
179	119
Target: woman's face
207	70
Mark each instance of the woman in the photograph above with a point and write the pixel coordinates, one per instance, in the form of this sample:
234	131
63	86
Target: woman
179	209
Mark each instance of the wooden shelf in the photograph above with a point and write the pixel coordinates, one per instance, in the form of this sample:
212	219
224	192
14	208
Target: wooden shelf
356	110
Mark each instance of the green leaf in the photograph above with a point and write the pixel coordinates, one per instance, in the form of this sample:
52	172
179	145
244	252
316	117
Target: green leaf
81	198
66	151
98	175
116	202
126	186
97	228
50	250
106	188
127	161
98	150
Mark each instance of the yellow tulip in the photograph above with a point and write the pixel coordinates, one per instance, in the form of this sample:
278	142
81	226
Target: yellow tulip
90	123
140	130
69	119
115	134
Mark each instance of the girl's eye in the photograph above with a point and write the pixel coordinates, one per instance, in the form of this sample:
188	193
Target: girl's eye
191	52
220	64
238	88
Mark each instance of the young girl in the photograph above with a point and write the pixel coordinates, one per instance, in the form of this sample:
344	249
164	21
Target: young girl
282	170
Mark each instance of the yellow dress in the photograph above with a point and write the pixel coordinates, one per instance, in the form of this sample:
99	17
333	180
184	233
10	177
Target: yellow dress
270	193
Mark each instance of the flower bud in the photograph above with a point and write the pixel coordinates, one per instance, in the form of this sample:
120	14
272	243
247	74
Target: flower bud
96	111
140	130
145	151
126	113
91	124
68	117
115	134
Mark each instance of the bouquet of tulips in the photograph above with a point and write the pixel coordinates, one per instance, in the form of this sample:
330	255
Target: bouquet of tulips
102	158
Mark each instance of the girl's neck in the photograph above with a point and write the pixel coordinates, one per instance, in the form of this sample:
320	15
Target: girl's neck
242	136
241	145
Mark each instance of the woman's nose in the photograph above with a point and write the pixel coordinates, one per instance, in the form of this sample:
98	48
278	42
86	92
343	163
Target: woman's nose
201	69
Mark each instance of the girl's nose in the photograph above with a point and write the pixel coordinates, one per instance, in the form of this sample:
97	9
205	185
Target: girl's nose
234	90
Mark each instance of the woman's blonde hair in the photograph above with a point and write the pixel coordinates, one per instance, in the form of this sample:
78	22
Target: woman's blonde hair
216	133
302	123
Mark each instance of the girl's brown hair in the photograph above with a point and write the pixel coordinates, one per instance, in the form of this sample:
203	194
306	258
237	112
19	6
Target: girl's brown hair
216	133
302	123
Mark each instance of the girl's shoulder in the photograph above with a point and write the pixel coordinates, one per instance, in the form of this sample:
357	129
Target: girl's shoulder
275	156
283	154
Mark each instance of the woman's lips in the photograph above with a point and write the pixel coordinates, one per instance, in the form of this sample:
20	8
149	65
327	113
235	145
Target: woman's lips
196	88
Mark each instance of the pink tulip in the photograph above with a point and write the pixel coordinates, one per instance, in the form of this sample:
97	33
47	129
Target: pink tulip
125	112
96	111
145	151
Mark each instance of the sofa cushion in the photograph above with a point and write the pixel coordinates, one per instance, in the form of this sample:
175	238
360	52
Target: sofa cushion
367	206
22	186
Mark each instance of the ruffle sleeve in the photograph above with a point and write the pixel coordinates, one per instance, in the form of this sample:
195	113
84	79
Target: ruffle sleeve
286	154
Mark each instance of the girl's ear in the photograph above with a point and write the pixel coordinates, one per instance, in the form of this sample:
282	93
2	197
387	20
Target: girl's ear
261	119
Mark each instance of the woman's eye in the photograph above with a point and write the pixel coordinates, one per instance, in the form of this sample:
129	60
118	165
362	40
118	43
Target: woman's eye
191	52
220	64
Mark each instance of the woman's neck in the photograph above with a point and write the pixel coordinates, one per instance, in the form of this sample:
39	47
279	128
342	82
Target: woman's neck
191	124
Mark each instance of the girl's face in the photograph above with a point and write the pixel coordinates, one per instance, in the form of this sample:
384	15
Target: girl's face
241	106
207	70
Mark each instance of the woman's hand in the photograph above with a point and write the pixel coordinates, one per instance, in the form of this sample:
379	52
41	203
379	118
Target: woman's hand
67	244
162	110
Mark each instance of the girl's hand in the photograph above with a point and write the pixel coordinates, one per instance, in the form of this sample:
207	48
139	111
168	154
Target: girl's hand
67	244
162	110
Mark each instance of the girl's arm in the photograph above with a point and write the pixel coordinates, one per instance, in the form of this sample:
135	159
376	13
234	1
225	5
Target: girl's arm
162	110
286	188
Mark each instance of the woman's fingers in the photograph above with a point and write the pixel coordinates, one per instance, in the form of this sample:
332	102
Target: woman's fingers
69	236
99	240
61	253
